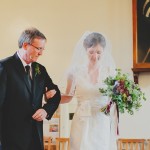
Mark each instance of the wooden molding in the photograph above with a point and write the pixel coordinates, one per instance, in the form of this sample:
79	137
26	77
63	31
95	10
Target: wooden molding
137	71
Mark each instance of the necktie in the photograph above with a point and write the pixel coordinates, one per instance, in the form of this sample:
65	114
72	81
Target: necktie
27	67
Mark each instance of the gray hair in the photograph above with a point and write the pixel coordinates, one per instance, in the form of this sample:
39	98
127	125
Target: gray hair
93	39
28	35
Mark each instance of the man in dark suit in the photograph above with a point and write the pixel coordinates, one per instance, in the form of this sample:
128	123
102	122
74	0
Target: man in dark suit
22	84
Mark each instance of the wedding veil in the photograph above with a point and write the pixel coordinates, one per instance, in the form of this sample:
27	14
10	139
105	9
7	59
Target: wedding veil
78	67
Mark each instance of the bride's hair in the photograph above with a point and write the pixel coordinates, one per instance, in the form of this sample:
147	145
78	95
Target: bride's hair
93	39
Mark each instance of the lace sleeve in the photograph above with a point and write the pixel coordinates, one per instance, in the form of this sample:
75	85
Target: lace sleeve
70	88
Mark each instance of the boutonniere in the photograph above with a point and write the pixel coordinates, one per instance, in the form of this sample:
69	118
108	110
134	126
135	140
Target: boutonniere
37	70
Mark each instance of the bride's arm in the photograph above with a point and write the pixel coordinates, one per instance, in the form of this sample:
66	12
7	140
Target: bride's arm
70	90
67	97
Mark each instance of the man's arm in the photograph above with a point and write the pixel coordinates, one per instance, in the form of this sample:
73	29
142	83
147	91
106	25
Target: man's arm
3	80
53	102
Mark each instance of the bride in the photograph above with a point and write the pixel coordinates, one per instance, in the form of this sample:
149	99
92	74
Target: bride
91	64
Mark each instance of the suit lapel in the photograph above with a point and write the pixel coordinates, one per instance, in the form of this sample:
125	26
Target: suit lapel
35	79
19	67
38	82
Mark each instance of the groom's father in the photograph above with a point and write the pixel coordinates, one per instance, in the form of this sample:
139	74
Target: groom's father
22	84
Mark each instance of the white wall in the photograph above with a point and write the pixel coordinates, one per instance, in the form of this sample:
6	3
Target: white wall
63	22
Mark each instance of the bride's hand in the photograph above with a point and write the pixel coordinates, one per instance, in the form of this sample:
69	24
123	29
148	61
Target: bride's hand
49	94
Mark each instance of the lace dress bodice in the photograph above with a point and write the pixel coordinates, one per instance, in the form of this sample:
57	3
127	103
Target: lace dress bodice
89	97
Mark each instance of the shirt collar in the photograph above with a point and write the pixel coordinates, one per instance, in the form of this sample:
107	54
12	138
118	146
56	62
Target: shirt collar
23	62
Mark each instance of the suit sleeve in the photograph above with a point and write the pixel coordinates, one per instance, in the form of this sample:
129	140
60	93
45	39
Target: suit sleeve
3	80
52	103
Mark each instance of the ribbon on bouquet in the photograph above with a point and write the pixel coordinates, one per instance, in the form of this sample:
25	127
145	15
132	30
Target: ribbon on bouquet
117	108
115	117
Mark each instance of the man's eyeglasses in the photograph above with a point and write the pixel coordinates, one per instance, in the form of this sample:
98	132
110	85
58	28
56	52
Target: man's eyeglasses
38	48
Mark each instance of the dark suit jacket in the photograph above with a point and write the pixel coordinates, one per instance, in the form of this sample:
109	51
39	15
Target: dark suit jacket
18	103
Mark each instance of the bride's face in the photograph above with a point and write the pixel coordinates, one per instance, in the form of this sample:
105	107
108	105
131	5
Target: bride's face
94	53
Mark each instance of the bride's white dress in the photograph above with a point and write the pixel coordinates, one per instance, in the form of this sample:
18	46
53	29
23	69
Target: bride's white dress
92	129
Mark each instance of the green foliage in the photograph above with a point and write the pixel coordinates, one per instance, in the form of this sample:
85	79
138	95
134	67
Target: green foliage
37	70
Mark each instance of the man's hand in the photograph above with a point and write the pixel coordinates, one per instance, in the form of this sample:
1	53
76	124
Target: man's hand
39	115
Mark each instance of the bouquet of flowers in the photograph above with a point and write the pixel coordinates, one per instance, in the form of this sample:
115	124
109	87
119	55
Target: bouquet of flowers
124	92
